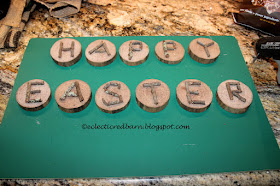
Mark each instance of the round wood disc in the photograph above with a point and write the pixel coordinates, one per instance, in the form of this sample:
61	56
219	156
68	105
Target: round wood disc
152	95
73	96
134	52
204	50
34	95
234	96
66	52
193	95
112	97
169	51
101	53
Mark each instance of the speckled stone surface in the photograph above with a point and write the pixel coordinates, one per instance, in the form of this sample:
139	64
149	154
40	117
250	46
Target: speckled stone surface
158	17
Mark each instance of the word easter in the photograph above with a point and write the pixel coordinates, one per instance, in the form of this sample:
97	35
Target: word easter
152	95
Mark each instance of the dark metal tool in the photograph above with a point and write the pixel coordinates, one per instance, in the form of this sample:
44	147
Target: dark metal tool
269	47
4	6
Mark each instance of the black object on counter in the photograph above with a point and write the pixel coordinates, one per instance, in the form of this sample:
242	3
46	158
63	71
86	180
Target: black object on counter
261	15
269	47
4	7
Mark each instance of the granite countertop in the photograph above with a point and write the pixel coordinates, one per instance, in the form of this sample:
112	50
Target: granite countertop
163	18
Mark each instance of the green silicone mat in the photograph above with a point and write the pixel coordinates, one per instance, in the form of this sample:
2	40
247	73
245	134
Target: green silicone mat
53	144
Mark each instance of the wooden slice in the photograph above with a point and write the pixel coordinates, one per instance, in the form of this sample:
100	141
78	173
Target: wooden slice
193	95
66	52
34	95
73	96
101	53
152	95
204	50
134	52
170	52
234	96
112	97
